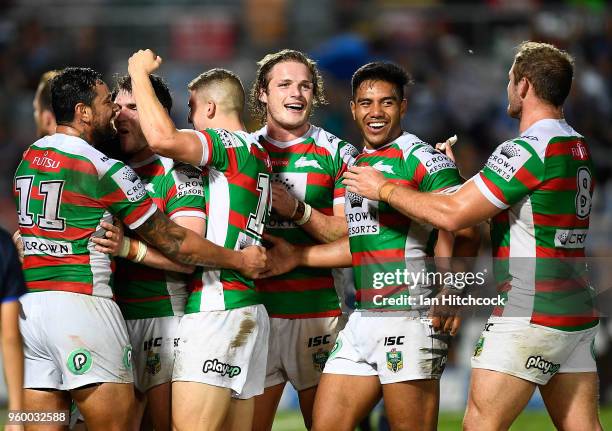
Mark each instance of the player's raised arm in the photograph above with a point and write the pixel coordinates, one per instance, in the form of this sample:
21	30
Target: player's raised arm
157	126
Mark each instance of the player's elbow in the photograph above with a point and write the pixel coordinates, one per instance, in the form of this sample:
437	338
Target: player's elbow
162	142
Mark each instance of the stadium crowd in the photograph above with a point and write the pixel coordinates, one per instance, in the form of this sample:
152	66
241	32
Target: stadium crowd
456	89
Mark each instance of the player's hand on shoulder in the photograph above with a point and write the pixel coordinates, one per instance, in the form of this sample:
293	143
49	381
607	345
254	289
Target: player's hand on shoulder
253	261
144	61
282	256
364	180
112	240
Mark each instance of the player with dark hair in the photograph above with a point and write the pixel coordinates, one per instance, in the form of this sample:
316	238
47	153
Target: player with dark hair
152	293
75	337
399	351
537	189
308	204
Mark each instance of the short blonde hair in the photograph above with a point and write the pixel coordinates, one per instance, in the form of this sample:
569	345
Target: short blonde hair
234	98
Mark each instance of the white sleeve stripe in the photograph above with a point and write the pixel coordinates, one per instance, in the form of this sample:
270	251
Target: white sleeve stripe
448	190
144	217
205	156
199	214
338	201
487	193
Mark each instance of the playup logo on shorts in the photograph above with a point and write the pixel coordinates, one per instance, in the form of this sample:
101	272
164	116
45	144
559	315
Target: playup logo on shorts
79	361
395	362
216	366
319	359
542	365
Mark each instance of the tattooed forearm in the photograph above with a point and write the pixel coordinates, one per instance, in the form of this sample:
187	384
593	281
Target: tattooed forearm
182	244
166	236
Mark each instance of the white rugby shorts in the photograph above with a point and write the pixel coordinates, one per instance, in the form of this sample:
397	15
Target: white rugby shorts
395	346
72	340
533	352
224	348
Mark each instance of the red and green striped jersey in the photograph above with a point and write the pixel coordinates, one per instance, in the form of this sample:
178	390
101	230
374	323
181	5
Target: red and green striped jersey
543	181
382	240
63	189
236	173
311	169
143	292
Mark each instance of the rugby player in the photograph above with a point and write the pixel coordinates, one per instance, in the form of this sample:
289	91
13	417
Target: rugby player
223	337
43	111
74	335
12	287
383	348
44	119
152	301
537	188
308	205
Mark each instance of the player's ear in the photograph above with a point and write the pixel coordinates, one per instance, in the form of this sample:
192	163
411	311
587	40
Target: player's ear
263	95
352	109
403	106
211	109
48	120
83	112
523	87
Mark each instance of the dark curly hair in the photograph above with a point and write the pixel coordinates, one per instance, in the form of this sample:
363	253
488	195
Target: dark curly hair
70	86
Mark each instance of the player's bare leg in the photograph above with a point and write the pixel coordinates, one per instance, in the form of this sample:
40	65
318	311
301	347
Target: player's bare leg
412	405
342	401
571	400
198	406
307	398
49	401
495	400
140	406
240	415
266	405
158	406
107	406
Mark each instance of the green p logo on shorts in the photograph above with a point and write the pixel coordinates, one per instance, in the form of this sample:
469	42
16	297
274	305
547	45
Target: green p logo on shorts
79	361
127	357
334	350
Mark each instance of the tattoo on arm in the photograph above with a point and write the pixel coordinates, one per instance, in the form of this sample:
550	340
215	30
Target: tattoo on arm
166	236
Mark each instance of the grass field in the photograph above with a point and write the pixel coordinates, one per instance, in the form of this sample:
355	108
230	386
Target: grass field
531	420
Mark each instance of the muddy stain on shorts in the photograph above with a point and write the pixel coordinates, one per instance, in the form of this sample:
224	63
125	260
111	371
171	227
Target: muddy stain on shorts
246	328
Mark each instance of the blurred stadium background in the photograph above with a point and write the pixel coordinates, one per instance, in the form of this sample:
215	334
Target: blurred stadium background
459	54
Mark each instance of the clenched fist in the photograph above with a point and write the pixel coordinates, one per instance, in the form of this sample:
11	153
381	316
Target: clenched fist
144	61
